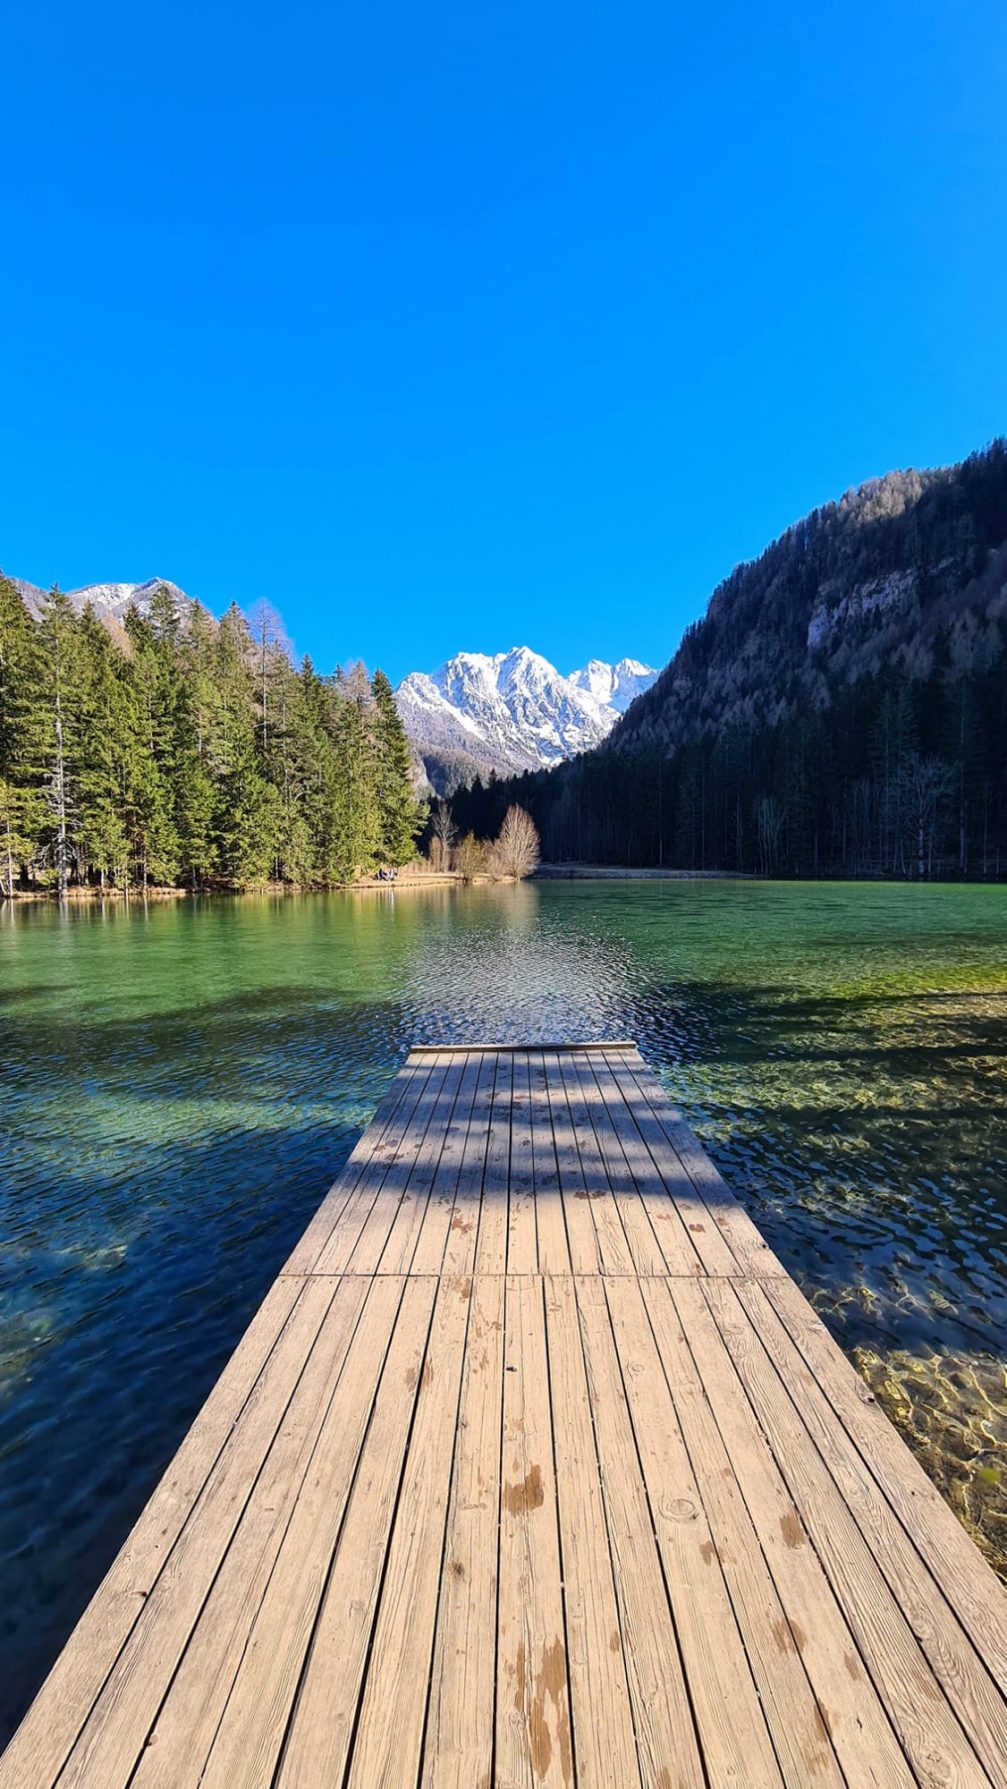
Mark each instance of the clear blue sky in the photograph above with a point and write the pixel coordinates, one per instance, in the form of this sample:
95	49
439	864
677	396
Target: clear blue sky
456	325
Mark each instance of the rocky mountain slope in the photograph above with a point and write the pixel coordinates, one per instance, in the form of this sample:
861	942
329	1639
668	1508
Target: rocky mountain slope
840	709
511	711
904	577
110	602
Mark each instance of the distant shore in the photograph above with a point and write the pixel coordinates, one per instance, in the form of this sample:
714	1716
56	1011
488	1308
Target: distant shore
156	892
595	872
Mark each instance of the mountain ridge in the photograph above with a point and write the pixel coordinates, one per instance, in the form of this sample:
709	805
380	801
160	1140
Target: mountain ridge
839	709
483	714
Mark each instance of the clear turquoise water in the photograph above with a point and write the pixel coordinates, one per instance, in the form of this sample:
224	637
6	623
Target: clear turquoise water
181	1082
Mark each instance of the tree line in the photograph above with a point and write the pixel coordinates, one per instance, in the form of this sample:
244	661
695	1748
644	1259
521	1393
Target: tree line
897	777
191	752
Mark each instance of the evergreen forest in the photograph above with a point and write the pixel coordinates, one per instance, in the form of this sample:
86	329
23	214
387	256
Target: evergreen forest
181	750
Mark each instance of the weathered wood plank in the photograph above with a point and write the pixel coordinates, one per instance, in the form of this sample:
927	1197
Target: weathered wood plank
463	1226
602	1712
384	1178
450	1524
491	1243
179	1742
459	1744
388	1348
646	1255
669	1749
428	1254
802	1743
442	1147
947	1550
553	1245
717	1669
751	1251
614	1253
386	1753
980	1707
387	1127
45	1737
533	1738
117	1726
522	1229
926	1724
852	1714
582	1237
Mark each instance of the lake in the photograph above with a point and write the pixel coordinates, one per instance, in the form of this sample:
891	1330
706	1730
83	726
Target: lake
181	1081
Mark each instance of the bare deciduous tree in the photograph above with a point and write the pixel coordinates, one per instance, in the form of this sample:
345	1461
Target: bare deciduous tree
515	852
769	819
443	834
926	780
470	857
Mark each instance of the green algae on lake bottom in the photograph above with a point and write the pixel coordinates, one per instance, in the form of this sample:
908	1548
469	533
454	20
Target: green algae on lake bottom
181	1081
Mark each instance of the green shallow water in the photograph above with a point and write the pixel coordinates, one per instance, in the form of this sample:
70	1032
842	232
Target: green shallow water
180	1083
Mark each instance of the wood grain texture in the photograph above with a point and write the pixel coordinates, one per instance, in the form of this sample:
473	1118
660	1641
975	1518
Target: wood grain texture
534	1468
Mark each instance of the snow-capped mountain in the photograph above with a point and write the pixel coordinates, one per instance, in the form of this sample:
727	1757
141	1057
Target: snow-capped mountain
511	711
110	602
614	686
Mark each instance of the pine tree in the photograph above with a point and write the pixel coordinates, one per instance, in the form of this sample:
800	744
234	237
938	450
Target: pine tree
400	816
21	806
99	737
60	662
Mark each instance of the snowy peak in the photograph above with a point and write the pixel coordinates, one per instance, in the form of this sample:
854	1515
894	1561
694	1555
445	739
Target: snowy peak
615	686
508	711
110	602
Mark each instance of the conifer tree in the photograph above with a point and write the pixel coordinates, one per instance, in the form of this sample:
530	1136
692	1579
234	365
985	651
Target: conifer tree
60	661
401	817
21	807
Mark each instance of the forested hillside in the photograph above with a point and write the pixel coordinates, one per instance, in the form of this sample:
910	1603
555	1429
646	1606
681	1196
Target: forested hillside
178	749
840	709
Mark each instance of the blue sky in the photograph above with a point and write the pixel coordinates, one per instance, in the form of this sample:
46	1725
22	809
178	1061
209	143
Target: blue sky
454	326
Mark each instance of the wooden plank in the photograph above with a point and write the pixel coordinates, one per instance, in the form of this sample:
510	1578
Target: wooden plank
428	1254
40	1746
752	1252
459	1744
533	1739
463	1226
979	1705
399	1247
381	1185
667	1743
386	1128
673	1232
522	1230
388	1234
680	1216
554	1049
553	1246
792	1713
717	1669
491	1243
582	1237
942	1542
177	1746
602	1712
387	1348
927	1726
386	1753
609	1161
635	1524
613	1249
852	1713
113	1736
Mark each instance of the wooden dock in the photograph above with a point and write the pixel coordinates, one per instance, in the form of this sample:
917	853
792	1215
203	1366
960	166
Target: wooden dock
534	1468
